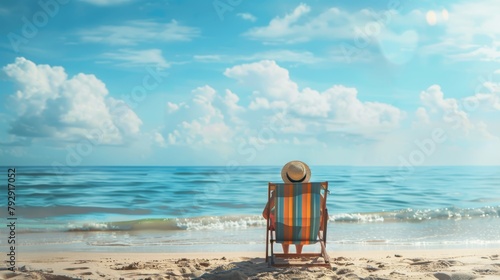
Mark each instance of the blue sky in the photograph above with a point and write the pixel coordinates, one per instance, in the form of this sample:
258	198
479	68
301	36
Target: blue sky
237	82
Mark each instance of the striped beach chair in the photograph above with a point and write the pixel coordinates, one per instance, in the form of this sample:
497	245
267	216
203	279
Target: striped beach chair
297	215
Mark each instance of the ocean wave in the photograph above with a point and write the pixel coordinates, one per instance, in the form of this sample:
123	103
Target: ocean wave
195	223
419	215
223	222
132	225
242	222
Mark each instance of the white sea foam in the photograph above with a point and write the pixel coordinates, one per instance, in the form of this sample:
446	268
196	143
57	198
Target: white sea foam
358	217
90	226
221	223
252	221
418	215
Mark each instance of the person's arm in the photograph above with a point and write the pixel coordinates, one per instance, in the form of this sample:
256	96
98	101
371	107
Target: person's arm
267	209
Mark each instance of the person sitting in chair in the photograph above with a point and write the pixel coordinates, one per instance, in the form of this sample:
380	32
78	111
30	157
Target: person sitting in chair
293	172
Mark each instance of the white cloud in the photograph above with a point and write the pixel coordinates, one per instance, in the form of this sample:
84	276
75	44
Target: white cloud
232	108
471	32
275	99
310	103
172	107
473	118
209	58
303	25
482	53
266	77
447	109
247	16
422	116
485	101
270	112
139	31
123	117
349	110
199	121
48	104
106	2
231	101
283	29
487	97
433	98
260	103
471	19
159	140
280	55
134	58
285	56
484	131
337	105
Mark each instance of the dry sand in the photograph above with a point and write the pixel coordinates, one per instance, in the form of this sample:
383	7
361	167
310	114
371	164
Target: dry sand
414	264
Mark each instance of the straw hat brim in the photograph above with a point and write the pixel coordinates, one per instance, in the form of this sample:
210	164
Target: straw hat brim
287	179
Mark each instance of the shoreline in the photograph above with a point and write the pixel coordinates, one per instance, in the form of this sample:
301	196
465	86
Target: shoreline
380	264
445	234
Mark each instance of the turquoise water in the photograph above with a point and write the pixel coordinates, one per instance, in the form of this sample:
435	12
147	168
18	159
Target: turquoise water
218	208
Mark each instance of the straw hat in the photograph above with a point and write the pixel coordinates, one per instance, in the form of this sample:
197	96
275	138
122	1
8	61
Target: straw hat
295	171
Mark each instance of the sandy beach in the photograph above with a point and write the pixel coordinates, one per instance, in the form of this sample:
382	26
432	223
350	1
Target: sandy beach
411	264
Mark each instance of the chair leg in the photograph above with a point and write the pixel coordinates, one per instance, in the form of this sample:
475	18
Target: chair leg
325	224
267	244
324	253
325	227
271	261
322	242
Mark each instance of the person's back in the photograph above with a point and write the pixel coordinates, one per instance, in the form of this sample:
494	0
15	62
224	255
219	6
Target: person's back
293	172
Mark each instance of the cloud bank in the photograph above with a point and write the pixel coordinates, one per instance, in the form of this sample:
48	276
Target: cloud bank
261	108
49	104
299	114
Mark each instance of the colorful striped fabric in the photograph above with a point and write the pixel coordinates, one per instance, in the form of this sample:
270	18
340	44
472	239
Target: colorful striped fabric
297	210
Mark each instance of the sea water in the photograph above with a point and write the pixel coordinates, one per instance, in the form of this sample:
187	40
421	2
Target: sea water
205	208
